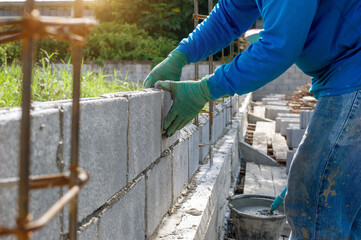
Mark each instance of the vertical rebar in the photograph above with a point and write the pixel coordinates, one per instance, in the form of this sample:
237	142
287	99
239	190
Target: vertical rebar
75	127
25	130
196	65
210	7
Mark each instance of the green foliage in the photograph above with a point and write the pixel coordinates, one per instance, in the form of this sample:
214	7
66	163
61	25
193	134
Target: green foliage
158	17
49	84
110	41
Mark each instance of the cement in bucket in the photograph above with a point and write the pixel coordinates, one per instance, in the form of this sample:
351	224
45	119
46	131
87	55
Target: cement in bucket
252	220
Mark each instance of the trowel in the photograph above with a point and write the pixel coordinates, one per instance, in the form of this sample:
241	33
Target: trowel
279	200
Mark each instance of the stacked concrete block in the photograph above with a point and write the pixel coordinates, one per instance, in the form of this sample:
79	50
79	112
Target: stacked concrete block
166	106
305	118
280	147
125	219
159	192
180	167
272	111
144	130
286	122
290	129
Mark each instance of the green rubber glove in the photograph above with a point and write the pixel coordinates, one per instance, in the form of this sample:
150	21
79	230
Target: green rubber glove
189	97
169	69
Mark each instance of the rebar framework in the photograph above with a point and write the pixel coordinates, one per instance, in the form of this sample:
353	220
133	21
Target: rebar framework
238	43
30	28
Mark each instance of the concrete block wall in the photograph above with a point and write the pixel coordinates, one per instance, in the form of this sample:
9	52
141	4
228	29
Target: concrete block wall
287	83
136	176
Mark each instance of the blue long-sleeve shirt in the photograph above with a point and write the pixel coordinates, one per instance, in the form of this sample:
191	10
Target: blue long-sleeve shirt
323	38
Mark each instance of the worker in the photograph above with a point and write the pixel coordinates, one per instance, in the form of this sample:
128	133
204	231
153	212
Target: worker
323	38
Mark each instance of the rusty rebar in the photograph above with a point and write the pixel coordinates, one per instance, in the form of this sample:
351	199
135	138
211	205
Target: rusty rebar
210	152
25	128
75	131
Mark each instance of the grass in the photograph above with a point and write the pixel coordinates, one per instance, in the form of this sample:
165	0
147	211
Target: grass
49	83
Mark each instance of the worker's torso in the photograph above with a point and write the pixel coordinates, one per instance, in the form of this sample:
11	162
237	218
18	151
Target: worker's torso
333	48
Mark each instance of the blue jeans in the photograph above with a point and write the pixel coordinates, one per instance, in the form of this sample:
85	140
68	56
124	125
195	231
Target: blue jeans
324	185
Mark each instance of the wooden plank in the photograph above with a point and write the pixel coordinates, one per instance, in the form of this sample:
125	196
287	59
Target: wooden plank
259	180
280	148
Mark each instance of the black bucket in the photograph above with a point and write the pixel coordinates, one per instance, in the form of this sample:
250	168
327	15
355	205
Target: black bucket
251	218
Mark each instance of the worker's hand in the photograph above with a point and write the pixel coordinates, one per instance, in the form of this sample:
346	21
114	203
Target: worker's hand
169	69
189	97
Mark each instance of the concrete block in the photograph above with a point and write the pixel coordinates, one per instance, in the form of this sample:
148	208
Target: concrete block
45	137
125	220
285	123
297	135
305	118
166	106
103	150
193	149
266	100
180	167
144	128
159	193
259	111
203	137
278	103
290	155
272	111
288	115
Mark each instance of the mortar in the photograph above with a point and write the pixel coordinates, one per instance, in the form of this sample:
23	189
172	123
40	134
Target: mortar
252	218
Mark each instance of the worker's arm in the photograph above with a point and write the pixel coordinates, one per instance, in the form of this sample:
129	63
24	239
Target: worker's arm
287	24
228	20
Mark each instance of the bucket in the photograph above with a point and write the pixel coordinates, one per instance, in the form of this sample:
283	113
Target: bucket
252	219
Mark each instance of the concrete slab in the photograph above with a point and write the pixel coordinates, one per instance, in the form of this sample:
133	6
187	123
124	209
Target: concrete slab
280	147
272	111
144	128
180	167
131	208
288	115
250	154
159	192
